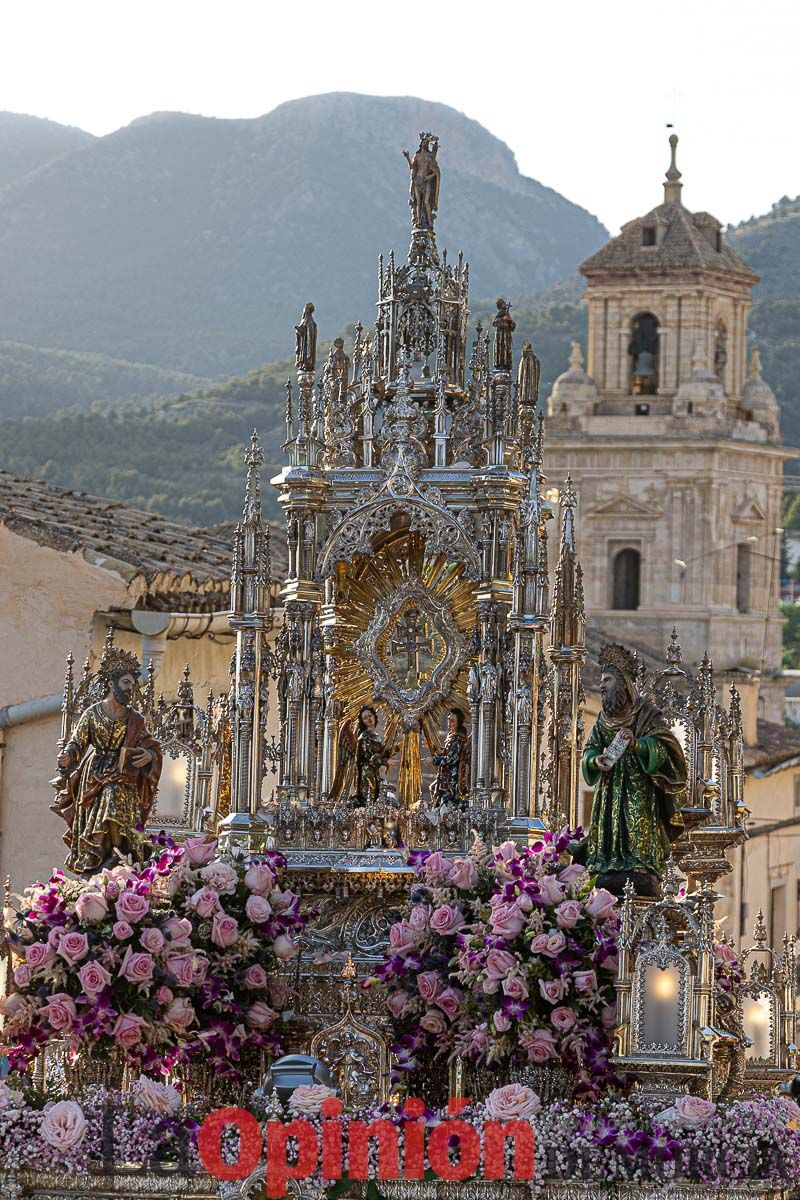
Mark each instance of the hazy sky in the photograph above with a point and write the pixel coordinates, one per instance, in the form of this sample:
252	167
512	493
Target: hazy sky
581	90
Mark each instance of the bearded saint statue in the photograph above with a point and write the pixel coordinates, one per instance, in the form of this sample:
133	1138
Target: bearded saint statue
637	768
111	765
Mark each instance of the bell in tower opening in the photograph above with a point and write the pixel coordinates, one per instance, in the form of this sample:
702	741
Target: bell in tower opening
643	350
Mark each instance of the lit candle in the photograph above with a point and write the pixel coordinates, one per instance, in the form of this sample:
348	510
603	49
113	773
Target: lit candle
661	1014
756	1021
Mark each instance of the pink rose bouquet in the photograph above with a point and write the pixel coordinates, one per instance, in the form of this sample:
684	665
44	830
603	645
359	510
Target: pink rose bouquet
160	963
506	957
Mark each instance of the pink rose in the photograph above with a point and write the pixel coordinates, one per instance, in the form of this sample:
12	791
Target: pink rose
572	873
199	851
281	901
608	1016
433	1021
258	909
307	1099
437	870
585	981
112	891
128	1029
60	1011
22	975
177	931
465	874
259	879
568	914
181	967
284	947
401	938
63	1125
281	994
91	907
507	920
450	1001
506	852
152	940
515	988
446	919
220	877
136	968
555	944
54	937
156	1096
499	963
255	977
420	918
514	1102
199	970
429	985
540	1045
180	1015
260	1015
502	1021
539	943
164	995
552	990
132	907
694	1111
122	930
39	955
396	1004
552	890
724	954
204	902
93	978
73	947
600	904
563	1018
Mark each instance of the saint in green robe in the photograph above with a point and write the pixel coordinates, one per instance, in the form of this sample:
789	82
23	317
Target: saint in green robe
635	813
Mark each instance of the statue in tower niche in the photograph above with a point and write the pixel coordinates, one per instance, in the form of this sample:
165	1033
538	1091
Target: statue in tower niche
424	182
361	761
504	326
452	783
637	768
112	766
305	346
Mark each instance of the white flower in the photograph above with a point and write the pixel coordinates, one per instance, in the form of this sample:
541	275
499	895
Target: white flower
307	1099
513	1102
158	1097
63	1125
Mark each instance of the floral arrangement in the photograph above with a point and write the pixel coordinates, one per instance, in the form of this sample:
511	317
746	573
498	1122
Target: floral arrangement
614	1140
165	963
506	957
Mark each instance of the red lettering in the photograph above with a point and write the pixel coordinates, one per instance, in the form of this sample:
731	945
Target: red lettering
209	1143
469	1150
332	1155
414	1140
279	1169
358	1136
494	1149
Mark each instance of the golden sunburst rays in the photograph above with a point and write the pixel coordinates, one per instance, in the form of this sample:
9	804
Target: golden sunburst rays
399	558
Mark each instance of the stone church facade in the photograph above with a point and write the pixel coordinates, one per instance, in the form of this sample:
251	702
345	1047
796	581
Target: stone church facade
673	442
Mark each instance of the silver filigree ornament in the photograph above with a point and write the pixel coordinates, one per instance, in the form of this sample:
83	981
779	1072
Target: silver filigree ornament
411	703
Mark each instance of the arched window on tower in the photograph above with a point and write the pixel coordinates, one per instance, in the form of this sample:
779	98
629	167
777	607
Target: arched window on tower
626	570
643	355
